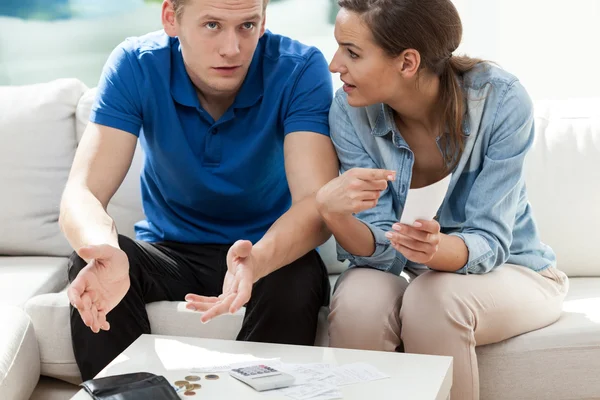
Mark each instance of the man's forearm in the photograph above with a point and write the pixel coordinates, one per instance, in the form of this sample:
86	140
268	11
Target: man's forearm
84	221
294	234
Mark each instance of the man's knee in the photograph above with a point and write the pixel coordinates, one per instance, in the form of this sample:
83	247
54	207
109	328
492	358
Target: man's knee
297	288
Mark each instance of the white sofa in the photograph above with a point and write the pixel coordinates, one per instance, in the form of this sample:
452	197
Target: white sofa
40	126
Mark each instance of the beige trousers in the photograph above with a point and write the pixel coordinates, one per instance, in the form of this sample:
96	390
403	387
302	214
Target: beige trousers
441	313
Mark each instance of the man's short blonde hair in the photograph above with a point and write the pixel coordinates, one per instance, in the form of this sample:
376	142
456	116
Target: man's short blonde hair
178	6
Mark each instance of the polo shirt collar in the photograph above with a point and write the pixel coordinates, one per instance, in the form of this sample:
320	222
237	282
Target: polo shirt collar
253	87
182	88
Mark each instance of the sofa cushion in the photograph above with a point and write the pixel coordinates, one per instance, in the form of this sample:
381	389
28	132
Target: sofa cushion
562	174
22	278
19	356
37	136
543	360
50	316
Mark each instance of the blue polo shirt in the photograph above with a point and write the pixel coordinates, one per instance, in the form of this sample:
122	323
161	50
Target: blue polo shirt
207	181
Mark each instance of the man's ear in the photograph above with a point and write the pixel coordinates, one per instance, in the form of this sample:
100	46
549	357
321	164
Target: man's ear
169	19
263	24
408	63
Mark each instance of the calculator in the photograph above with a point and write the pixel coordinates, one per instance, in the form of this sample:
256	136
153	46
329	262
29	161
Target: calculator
262	377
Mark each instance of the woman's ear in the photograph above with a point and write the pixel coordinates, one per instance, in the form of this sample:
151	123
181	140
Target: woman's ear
408	63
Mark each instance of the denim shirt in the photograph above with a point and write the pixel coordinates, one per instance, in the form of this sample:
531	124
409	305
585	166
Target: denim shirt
486	204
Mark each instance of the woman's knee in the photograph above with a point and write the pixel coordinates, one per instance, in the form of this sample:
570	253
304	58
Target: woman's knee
364	310
433	297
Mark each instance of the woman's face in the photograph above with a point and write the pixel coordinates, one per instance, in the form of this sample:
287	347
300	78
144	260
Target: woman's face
370	76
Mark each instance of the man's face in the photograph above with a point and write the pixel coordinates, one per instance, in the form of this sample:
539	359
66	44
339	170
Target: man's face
218	39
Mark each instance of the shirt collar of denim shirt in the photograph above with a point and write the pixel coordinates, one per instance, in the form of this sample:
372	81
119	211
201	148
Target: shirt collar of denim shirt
384	122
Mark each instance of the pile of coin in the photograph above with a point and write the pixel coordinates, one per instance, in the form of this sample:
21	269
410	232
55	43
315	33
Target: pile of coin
190	387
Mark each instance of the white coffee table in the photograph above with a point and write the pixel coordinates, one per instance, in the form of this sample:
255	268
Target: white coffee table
412	376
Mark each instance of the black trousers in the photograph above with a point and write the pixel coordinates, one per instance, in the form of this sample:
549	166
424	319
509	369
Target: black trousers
283	309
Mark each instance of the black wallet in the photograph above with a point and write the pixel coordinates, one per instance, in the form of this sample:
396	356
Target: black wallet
136	386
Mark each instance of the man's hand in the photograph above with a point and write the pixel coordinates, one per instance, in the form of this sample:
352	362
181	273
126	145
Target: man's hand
419	242
356	190
237	287
101	285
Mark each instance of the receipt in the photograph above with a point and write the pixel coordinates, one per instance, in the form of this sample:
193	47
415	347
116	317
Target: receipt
349	374
423	203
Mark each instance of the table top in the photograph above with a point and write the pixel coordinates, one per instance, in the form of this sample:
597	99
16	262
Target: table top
411	376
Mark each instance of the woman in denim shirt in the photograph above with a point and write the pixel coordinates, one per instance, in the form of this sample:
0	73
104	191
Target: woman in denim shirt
409	114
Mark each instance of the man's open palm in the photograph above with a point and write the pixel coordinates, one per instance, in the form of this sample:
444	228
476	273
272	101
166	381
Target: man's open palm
237	287
101	285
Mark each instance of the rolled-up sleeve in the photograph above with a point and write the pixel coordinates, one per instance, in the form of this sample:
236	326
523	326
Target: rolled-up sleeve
492	203
379	219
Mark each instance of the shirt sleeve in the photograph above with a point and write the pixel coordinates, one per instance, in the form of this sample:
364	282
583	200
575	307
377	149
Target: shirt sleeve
118	100
491	205
378	219
311	98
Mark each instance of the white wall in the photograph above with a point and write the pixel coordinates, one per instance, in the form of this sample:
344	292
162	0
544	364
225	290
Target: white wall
551	45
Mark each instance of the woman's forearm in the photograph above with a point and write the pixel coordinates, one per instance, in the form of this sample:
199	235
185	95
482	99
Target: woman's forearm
451	256
350	233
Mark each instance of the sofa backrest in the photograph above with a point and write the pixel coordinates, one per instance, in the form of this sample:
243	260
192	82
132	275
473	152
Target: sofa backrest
563	181
37	145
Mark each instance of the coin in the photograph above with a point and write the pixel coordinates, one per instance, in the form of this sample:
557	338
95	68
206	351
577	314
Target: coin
192	378
195	386
189	386
190	393
211	377
181	383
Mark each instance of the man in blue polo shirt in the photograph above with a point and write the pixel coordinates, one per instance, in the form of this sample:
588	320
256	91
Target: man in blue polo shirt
233	123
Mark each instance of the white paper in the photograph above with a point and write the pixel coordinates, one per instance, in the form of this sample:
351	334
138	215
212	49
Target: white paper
306	373
423	203
306	391
354	373
334	394
321	381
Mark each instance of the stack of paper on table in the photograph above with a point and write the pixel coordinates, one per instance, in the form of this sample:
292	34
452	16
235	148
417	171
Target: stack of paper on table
322	381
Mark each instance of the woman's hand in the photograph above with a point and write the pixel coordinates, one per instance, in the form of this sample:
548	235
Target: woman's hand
356	190
419	242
